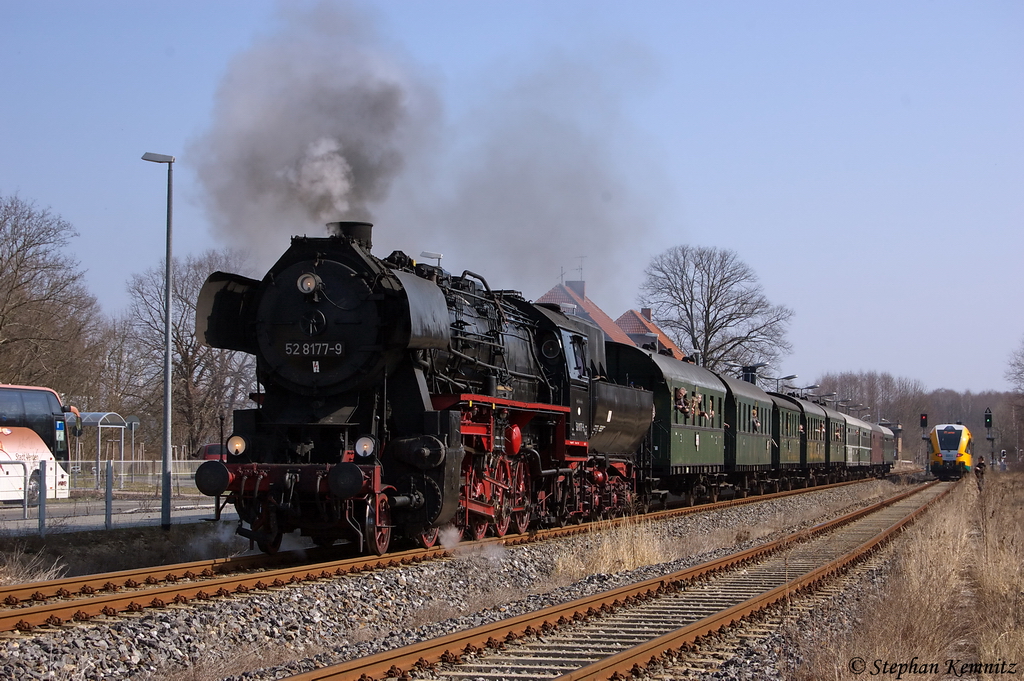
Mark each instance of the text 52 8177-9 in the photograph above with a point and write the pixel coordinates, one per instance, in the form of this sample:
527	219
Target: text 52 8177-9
314	349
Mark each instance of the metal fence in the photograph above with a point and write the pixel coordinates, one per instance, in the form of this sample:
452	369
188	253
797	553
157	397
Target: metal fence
118	494
133	476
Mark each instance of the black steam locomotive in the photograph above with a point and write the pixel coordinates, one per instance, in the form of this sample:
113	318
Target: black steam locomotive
397	397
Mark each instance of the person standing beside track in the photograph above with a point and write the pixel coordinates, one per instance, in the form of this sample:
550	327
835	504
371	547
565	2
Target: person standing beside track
979	472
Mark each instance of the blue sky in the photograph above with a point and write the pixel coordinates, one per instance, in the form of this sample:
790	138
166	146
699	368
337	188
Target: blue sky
866	159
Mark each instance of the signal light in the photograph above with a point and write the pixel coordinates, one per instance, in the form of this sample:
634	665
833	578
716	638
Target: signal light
924	420
988	418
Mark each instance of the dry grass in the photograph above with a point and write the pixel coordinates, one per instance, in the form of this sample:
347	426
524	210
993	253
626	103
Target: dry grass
998	571
953	591
638	542
119	549
18	567
213	666
632	544
438	610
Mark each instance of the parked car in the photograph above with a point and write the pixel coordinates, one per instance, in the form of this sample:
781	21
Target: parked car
213	452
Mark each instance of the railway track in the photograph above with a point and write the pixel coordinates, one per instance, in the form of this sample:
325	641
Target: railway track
76	599
161	588
618	633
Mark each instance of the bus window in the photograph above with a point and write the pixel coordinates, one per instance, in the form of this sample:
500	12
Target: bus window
38	409
12	412
38	415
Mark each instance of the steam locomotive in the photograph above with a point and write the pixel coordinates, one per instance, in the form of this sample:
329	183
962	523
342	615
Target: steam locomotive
397	398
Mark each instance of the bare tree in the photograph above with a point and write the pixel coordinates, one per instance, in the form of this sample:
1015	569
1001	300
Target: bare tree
1015	370
49	323
881	397
207	383
123	383
878	396
707	299
900	401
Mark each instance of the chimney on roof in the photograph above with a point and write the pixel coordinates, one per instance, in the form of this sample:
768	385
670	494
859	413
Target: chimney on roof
645	312
578	287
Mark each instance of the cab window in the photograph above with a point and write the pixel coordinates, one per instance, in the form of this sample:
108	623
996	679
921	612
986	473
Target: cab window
575	355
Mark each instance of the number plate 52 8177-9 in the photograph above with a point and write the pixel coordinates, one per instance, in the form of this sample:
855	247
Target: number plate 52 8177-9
312	349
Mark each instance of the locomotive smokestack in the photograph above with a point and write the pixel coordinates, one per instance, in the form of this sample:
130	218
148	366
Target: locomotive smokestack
357	231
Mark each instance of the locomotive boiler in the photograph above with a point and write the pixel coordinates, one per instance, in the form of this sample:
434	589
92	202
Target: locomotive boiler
396	398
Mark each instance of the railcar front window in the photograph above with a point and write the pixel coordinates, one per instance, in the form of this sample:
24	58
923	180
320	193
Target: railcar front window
949	439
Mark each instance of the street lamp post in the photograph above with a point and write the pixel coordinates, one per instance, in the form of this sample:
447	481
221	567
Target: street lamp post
802	390
779	380
813	386
165	501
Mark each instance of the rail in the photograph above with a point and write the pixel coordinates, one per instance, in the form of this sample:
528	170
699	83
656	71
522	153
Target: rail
450	649
56	602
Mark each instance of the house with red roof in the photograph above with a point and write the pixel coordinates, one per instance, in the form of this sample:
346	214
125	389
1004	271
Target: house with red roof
572	297
632	328
645	333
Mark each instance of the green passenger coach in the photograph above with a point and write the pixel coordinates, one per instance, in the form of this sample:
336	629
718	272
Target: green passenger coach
715	436
687	436
799	440
787	431
747	427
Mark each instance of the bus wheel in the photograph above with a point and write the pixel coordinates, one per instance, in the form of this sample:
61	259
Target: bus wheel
33	490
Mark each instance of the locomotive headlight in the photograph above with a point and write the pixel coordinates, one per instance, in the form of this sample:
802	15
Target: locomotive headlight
236	445
366	446
308	282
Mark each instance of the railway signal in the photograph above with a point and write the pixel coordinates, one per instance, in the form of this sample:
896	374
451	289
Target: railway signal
988	418
924	420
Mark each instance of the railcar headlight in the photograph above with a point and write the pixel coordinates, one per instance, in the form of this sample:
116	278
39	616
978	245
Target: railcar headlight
236	445
308	282
366	446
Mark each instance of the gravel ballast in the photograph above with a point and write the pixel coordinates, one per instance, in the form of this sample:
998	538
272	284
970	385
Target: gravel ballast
277	633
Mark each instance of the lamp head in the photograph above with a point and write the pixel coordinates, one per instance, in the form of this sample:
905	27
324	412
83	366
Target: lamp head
157	158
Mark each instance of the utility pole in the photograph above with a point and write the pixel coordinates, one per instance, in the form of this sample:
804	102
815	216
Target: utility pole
989	437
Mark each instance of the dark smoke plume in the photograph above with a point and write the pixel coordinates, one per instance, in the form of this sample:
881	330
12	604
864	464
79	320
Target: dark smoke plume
311	125
323	121
542	174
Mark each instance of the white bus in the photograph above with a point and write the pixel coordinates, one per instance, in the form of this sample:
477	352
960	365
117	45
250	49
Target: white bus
34	427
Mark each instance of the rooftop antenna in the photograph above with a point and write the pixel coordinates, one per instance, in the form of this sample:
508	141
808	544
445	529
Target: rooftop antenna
580	268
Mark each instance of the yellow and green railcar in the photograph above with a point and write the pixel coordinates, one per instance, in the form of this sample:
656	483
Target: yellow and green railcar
951	456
